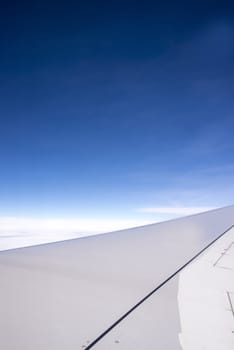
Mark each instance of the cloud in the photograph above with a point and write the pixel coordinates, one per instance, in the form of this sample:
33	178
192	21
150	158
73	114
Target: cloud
174	210
83	225
18	232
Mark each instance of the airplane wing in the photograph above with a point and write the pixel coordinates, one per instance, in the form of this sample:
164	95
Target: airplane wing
163	286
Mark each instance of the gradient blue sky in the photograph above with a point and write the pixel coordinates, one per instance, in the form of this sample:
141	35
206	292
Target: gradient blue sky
110	108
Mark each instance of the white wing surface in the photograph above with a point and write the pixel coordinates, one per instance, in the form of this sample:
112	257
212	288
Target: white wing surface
194	310
130	289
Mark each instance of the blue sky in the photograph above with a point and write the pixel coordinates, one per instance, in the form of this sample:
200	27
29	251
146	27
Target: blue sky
110	110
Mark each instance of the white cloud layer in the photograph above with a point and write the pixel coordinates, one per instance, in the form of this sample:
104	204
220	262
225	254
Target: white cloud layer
26	231
18	232
43	225
175	210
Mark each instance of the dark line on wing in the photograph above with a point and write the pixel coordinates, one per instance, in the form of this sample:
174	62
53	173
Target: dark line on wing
153	291
230	302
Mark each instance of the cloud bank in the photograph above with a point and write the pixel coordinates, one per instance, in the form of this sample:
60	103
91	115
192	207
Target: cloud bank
175	210
18	232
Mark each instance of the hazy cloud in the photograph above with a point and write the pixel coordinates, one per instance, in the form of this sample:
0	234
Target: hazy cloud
175	210
25	231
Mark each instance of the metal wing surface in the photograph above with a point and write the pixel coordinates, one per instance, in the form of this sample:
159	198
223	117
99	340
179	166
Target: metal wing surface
128	289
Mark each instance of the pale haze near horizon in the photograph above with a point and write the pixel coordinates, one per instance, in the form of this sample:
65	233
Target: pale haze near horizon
18	232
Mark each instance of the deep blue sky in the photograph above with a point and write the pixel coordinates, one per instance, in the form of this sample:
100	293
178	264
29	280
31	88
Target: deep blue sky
108	107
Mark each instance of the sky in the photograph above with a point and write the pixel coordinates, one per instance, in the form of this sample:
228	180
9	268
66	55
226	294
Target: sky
114	113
